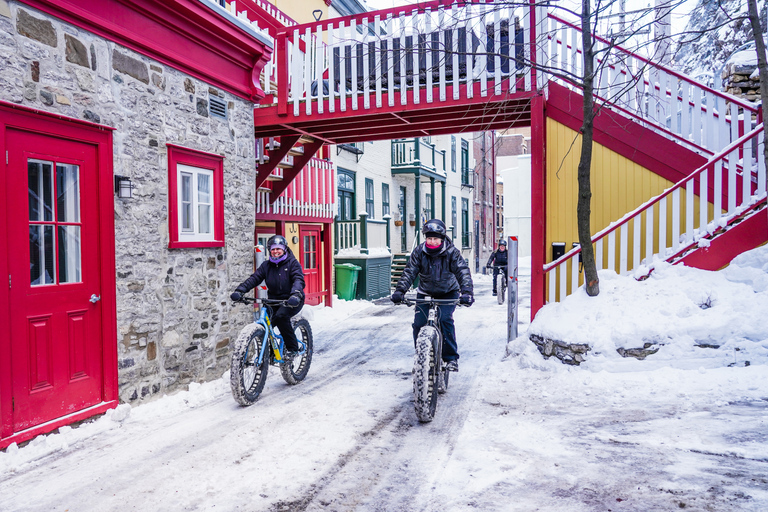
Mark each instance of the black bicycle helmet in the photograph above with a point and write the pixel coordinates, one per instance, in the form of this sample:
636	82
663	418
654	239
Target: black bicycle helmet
277	241
434	227
503	242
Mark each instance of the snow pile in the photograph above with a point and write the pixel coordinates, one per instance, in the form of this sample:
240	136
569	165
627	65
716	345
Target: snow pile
695	317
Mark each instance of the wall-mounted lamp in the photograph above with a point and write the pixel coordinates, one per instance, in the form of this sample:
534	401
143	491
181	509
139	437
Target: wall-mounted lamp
123	187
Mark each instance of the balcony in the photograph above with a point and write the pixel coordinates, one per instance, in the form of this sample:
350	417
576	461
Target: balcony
466	240
467	178
417	156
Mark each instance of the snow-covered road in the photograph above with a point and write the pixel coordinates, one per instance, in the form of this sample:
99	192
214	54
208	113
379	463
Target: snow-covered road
513	433
346	438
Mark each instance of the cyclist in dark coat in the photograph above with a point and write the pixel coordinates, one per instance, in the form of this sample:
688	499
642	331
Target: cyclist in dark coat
285	280
499	261
443	274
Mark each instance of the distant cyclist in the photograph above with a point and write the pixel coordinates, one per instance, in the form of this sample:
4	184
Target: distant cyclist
443	274
285	281
499	261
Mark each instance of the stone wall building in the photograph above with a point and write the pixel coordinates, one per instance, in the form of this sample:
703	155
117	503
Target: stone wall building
170	307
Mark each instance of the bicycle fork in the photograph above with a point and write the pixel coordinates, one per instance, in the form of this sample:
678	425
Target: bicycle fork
432	321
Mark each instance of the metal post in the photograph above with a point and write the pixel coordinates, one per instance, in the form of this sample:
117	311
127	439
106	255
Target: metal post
363	233
336	235
434	199
512	289
388	218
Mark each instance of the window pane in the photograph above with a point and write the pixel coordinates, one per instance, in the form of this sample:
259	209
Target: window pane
67	193
204	188
186	202
41	264
69	254
40	185
204	213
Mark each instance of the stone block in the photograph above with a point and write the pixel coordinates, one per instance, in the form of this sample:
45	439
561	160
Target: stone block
130	66
46	97
75	51
37	29
151	351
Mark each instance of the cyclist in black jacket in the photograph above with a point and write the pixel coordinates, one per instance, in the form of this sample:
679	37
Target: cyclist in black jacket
443	274
285	280
499	260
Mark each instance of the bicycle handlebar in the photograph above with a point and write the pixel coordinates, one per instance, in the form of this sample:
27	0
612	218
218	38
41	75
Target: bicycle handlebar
412	301
258	300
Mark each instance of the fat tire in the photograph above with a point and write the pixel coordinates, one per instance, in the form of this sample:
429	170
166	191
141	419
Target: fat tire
425	370
500	288
296	371
245	378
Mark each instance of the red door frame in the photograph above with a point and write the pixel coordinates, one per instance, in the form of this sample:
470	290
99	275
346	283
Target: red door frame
314	297
33	121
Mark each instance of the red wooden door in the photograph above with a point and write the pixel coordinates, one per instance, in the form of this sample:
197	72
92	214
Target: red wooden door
54	261
309	246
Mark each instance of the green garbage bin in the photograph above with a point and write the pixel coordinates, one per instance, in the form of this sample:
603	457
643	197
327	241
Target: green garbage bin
346	280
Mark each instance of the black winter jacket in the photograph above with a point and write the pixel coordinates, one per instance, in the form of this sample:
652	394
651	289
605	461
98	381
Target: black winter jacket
499	257
283	279
443	273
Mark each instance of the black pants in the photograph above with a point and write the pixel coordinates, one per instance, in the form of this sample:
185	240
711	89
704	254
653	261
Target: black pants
496	271
281	318
444	318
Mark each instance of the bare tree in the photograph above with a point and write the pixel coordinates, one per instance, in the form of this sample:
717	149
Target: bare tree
583	208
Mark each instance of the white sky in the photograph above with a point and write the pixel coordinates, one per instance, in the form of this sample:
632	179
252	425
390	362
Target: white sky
687	428
679	16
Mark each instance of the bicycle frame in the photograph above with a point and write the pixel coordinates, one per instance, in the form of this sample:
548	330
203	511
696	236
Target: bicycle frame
274	341
502	268
432	316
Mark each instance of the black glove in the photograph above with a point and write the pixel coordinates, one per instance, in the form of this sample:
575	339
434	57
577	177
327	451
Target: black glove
294	300
466	299
397	297
236	296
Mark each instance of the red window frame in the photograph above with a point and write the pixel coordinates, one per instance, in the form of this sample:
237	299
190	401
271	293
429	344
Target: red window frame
215	163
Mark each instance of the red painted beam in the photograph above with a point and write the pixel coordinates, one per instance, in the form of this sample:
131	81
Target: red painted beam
183	34
275	157
299	162
538	204
656	153
746	235
268	119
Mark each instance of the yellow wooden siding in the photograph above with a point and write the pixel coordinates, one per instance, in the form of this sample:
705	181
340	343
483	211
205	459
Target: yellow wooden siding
618	186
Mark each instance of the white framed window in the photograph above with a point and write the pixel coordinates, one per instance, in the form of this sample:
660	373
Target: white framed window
195	196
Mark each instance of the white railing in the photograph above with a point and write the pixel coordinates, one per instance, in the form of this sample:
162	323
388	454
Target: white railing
674	222
403	55
347	234
310	194
677	106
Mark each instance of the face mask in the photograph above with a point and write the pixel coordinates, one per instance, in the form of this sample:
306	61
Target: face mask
279	258
433	246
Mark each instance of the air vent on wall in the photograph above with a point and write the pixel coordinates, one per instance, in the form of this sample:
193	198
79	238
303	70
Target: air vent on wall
218	107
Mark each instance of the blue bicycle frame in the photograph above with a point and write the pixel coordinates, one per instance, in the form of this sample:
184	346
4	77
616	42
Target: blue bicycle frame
274	340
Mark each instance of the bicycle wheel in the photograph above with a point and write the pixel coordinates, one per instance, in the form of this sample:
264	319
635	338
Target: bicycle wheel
296	370
246	376
501	287
425	370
